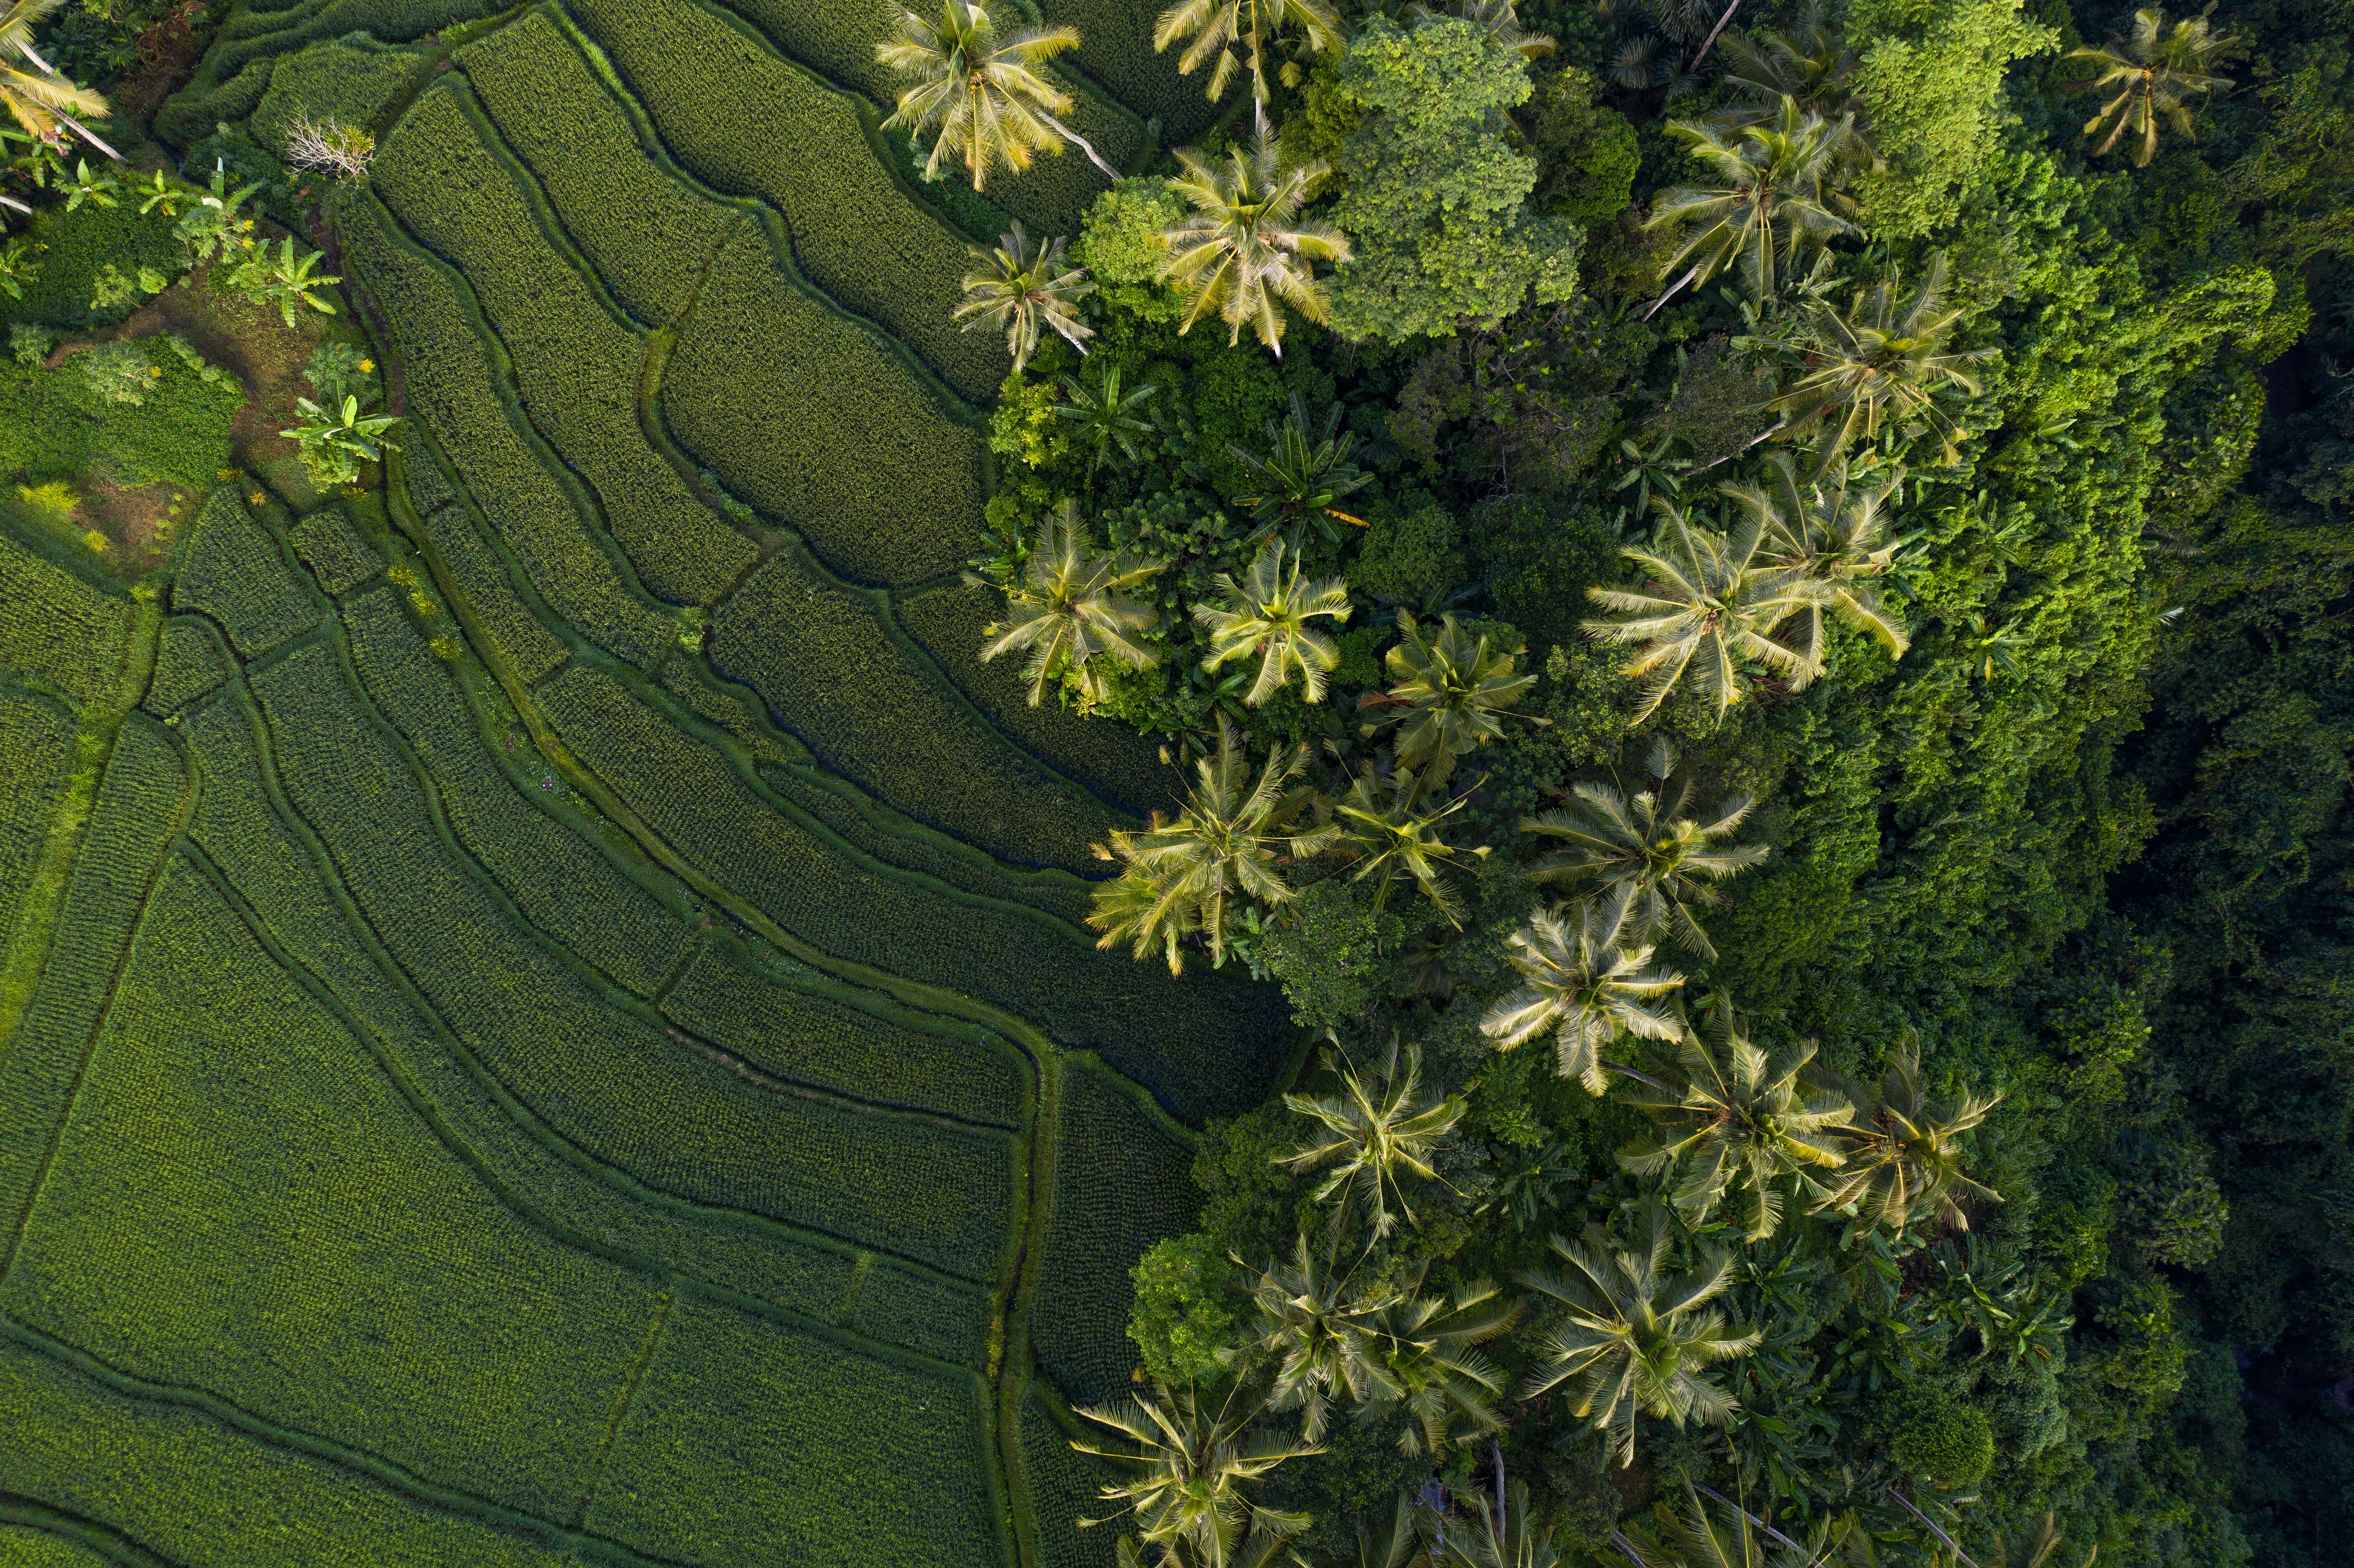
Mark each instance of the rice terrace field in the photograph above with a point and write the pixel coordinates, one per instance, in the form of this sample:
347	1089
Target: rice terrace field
548	1018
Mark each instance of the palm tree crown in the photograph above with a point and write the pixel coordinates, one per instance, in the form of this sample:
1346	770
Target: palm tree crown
1188	1467
1108	419
1808	63
1267	613
1069	608
1582	980
1228	842
1709	608
1831	539
1386	837
1739	1127
1243	253
1319	1321
1766	206
1021	287
981	91
1431	1366
1304	473
1232	35
1636	1339
2154	74
1907	1161
1378	1127
1658	846
1450	696
42	100
1883	361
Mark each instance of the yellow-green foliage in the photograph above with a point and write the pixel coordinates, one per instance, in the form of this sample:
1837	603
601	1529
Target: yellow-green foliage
36	757
57	425
823	658
236	575
818	420
377	1298
647	234
1113	760
747	1442
335	551
58	627
528	647
31	1546
778	134
560	883
1121	1182
1208	1043
576	367
602	1074
454	385
924	1064
189	663
170	1476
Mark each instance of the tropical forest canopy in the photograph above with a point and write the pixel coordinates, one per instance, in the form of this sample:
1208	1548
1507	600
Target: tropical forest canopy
1308	781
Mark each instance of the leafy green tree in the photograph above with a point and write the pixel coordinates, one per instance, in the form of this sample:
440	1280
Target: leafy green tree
1119	245
1021	287
980	92
1636	1338
1709	610
1740	1128
336	441
1432	1369
1234	35
1588	152
2153	75
1382	1127
1105	418
1387	836
1267	615
1319	1321
1832	538
1884	359
1433	205
1584	983
1449	695
1765	206
1184	1328
1305	473
1227	841
1659	847
42	100
1499	19
1069	609
1932	79
1187	1469
1243	252
1906	1165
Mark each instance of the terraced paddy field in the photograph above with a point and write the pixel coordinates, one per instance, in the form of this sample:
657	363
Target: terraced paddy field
545	1017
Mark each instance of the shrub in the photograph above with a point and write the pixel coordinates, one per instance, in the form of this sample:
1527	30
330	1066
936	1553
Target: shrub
1118	247
1185	1320
119	373
30	344
1931	1435
339	370
1412	551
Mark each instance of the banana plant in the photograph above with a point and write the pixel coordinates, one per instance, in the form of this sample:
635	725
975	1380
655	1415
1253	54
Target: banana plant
335	440
284	281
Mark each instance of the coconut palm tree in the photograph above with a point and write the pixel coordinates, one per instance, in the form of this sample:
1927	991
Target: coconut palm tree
1432	1369
1883	361
1304	473
979	91
1268	614
1741	1126
1906	1164
1587	983
1387	838
1187	1469
1395	1543
1808	63
1380	1128
1658	846
2154	75
1503	1536
1637	1340
1243	252
1733	1538
1232	35
1228	842
1021	287
1832	537
1069	608
1766	206
1499	19
1107	417
43	99
1449	695
1709	609
1320	1324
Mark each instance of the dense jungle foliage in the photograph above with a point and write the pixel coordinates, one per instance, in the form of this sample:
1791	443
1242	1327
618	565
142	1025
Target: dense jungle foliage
1762	545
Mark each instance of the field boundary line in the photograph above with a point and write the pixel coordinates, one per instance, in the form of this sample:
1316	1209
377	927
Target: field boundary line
114	1545
621	1404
